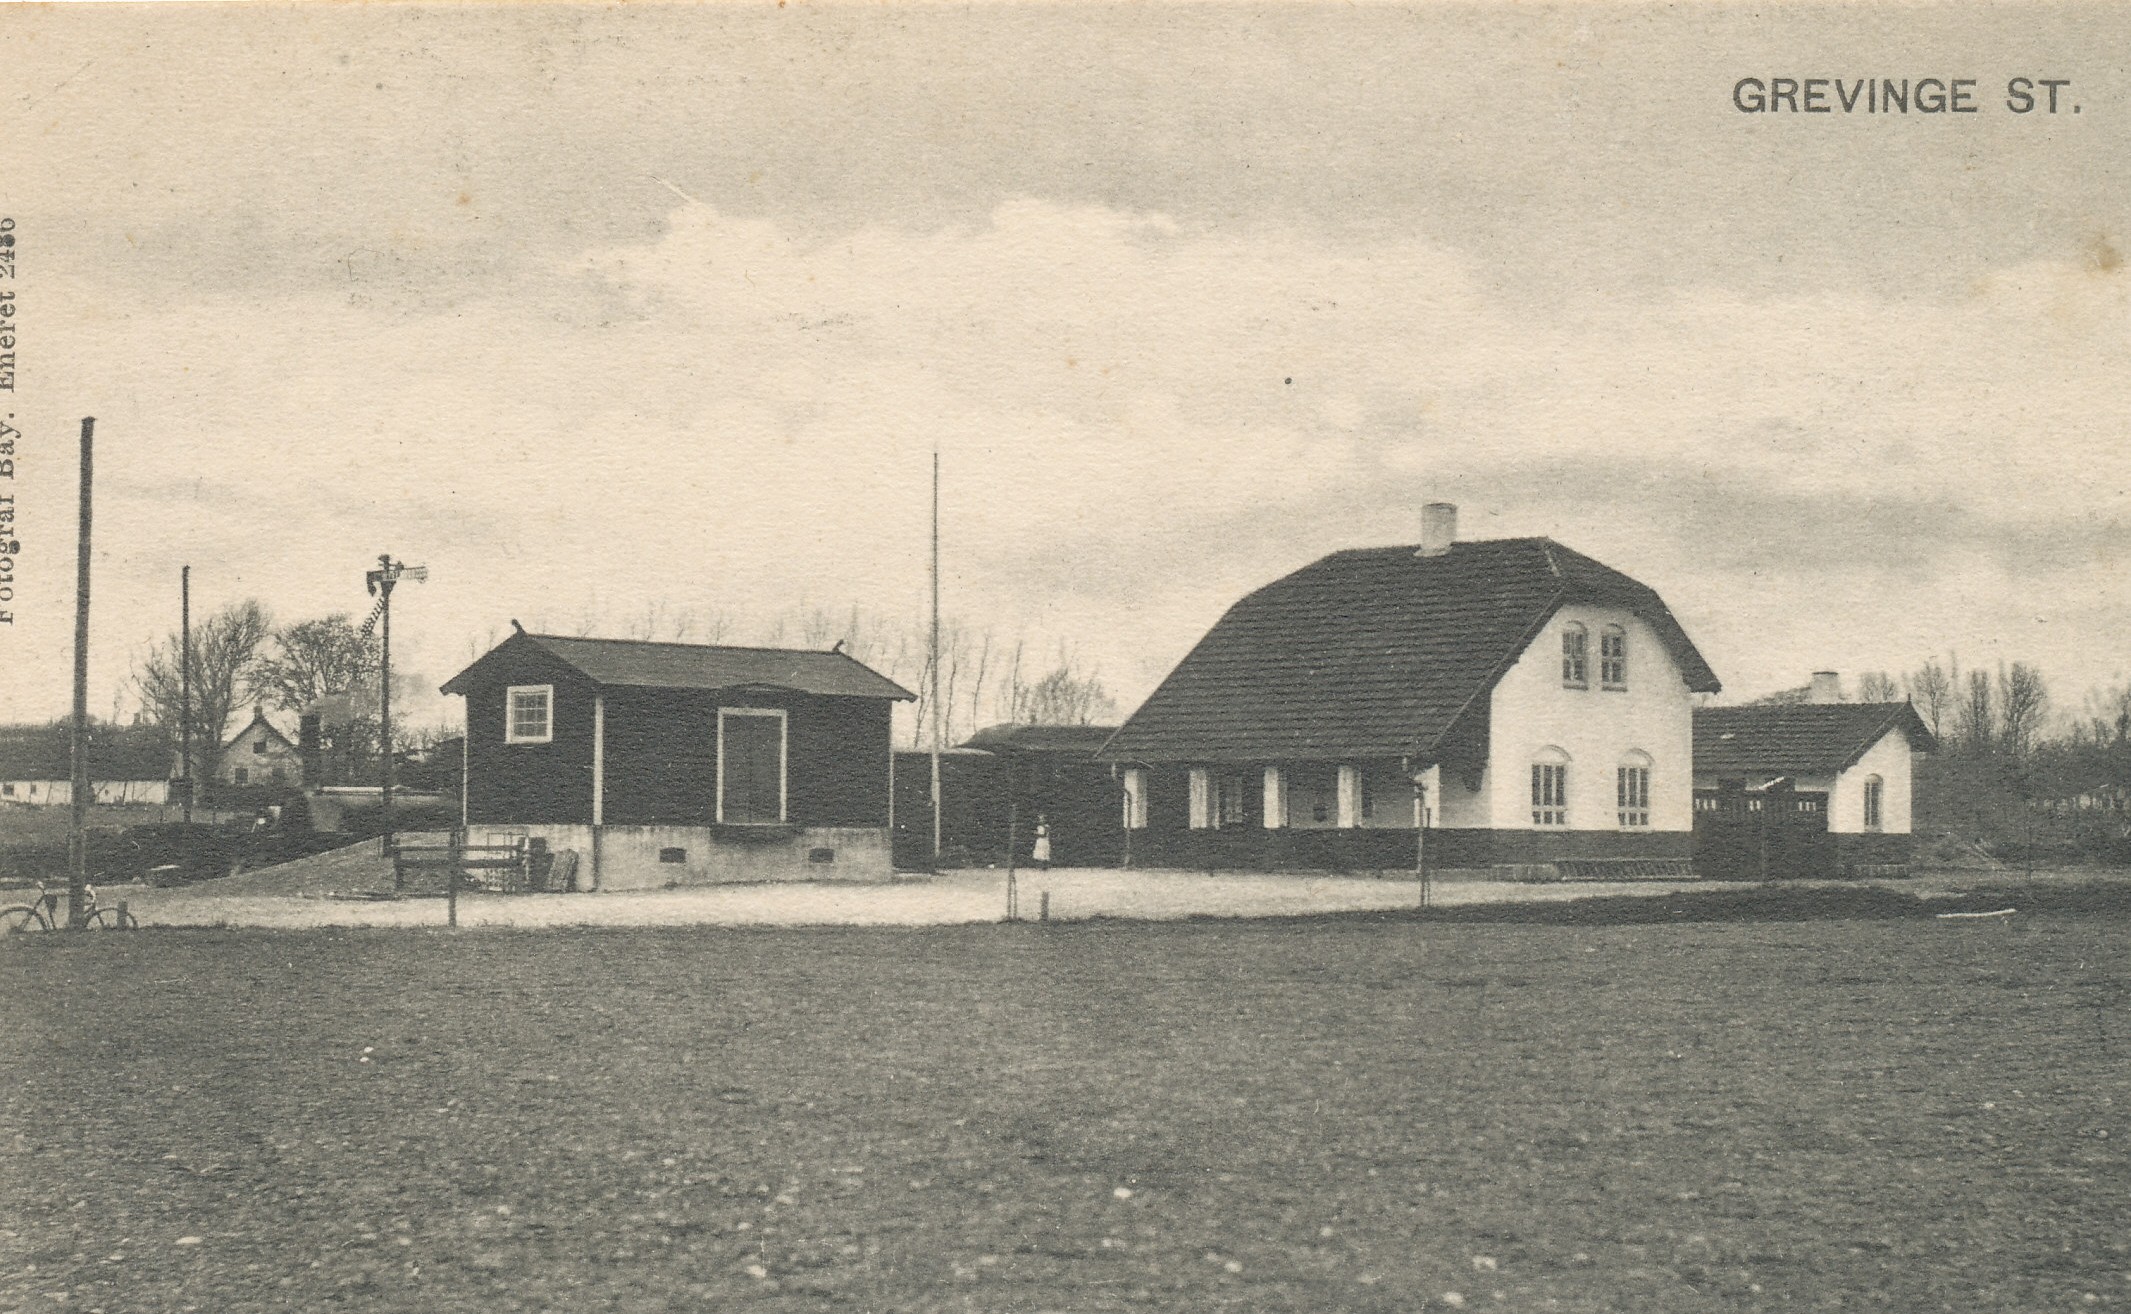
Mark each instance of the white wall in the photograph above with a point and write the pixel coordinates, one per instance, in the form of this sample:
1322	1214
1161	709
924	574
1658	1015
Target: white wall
1889	759
1596	727
54	793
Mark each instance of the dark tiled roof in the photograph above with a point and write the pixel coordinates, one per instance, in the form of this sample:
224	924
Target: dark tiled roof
1016	738
1798	738
1375	652
703	666
43	752
259	719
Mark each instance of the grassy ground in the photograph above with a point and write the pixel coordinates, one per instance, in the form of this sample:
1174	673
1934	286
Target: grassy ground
1373	1113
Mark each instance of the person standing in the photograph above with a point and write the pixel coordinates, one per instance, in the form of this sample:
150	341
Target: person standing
1040	852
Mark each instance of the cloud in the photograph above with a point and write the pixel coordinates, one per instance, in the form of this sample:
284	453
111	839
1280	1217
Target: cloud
1141	417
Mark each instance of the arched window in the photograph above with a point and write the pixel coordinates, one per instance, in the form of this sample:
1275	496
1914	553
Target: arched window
1613	657
1575	656
1875	801
1550	787
1631	789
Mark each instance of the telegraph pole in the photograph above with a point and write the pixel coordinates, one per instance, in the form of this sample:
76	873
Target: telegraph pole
78	830
185	684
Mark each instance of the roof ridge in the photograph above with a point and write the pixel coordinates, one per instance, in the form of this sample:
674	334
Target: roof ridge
694	647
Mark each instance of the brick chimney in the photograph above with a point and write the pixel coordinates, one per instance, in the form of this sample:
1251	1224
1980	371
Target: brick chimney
1826	688
1439	528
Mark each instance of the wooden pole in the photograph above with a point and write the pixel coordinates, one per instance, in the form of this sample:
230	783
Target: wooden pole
78	829
185	684
384	717
935	696
1013	844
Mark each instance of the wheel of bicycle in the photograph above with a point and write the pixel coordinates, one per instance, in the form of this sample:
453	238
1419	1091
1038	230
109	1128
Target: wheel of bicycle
22	917
113	919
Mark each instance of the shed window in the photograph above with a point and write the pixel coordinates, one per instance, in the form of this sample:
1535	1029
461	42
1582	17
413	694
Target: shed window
1613	657
1631	791
751	762
530	715
1575	656
1550	789
1135	801
1875	801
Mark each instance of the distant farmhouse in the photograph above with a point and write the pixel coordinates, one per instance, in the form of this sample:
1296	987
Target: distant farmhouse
126	765
1529	708
676	764
261	754
1836	774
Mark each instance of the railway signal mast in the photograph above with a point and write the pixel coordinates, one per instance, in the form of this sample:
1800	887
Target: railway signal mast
381	582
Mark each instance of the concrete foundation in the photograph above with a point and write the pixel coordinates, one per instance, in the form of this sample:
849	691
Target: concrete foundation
660	857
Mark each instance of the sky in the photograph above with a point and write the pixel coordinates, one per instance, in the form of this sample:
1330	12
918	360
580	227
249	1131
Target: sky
597	311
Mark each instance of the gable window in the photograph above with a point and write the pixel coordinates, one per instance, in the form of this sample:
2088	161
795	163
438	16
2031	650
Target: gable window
529	716
1613	657
1875	802
259	747
751	758
1550	788
240	776
1631	791
1575	656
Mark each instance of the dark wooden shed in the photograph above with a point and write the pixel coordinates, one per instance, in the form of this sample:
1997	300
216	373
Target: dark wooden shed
675	763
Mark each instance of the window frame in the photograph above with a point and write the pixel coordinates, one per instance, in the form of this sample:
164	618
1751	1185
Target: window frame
1225	805
1550	792
784	763
1875	803
1613	658
1575	656
1631	794
510	714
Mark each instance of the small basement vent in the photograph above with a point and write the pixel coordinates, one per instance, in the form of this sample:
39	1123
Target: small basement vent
821	855
673	855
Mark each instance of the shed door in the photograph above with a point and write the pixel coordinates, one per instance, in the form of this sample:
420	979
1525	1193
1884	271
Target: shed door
751	768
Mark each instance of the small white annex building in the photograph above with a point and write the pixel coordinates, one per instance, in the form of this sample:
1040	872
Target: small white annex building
1857	754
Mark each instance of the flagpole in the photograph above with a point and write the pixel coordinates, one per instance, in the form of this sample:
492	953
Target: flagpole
936	655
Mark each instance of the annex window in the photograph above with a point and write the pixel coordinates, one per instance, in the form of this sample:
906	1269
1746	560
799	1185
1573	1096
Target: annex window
1550	788
1613	657
1575	656
1135	801
1875	802
529	714
1228	801
751	757
1631	791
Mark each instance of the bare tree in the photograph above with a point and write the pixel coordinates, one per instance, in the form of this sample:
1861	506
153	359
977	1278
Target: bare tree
225	652
1976	717
1878	687
310	659
1932	690
2022	699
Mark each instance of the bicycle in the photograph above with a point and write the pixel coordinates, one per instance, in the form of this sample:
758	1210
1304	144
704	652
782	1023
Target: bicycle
43	914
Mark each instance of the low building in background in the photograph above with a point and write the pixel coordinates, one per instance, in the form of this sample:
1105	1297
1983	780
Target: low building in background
127	764
261	754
